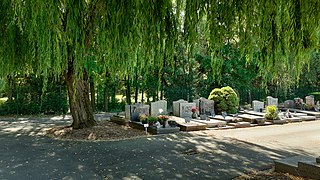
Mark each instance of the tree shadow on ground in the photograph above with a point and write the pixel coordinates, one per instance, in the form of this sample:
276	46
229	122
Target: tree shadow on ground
174	156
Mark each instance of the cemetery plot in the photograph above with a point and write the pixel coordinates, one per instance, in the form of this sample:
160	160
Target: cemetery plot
188	126
309	113
226	118
240	124
211	122
252	119
254	113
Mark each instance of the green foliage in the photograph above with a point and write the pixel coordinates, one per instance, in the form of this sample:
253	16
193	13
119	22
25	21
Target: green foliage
152	119
225	99
316	96
271	113
28	97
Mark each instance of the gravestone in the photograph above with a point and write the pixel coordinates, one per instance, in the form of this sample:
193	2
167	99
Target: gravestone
272	101
128	112
257	105
310	101
298	103
176	107
158	107
317	106
138	109
206	106
289	104
185	109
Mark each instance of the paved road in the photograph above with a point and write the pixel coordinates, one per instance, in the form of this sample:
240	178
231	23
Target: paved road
198	155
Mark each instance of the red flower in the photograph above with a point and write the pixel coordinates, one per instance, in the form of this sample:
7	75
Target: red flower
194	109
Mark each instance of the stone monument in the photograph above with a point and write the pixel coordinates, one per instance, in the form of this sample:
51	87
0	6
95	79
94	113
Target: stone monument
272	101
158	107
185	109
176	107
257	105
206	106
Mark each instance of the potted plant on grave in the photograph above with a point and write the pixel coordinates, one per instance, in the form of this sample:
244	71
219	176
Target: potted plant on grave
163	120
194	112
143	118
271	113
152	120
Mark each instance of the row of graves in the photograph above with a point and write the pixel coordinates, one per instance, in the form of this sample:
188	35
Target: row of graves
289	111
200	115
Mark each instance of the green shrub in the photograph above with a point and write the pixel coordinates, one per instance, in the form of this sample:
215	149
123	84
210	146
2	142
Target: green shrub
225	99
152	119
271	113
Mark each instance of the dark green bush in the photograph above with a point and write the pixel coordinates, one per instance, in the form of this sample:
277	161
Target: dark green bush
225	99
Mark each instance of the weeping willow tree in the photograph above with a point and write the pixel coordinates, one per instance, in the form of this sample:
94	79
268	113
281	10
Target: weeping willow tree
58	37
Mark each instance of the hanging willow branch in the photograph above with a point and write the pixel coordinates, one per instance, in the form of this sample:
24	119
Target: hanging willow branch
45	35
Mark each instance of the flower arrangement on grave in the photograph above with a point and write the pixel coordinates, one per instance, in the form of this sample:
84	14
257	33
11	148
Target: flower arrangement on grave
152	120
271	113
163	119
143	118
194	110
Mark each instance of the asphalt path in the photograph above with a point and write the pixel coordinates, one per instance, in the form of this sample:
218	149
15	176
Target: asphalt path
211	154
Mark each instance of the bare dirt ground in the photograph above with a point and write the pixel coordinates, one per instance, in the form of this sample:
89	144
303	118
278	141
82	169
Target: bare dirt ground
104	130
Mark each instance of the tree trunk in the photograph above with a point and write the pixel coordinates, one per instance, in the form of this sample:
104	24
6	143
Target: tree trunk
10	88
92	94
128	92
142	98
80	107
106	98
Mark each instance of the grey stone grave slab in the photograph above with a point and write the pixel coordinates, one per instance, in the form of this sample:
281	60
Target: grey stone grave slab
257	105
185	109
158	107
176	107
211	122
308	118
240	124
227	118
252	118
255	113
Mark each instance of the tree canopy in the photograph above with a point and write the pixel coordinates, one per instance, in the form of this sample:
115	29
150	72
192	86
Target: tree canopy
63	37
44	34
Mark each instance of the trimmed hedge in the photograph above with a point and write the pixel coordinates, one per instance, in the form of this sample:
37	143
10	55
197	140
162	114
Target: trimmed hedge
225	99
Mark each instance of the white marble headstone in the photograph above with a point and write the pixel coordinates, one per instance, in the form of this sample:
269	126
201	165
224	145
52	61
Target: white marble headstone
272	101
158	107
257	105
185	109
176	107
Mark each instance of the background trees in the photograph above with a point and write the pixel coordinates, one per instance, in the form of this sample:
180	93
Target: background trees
150	46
